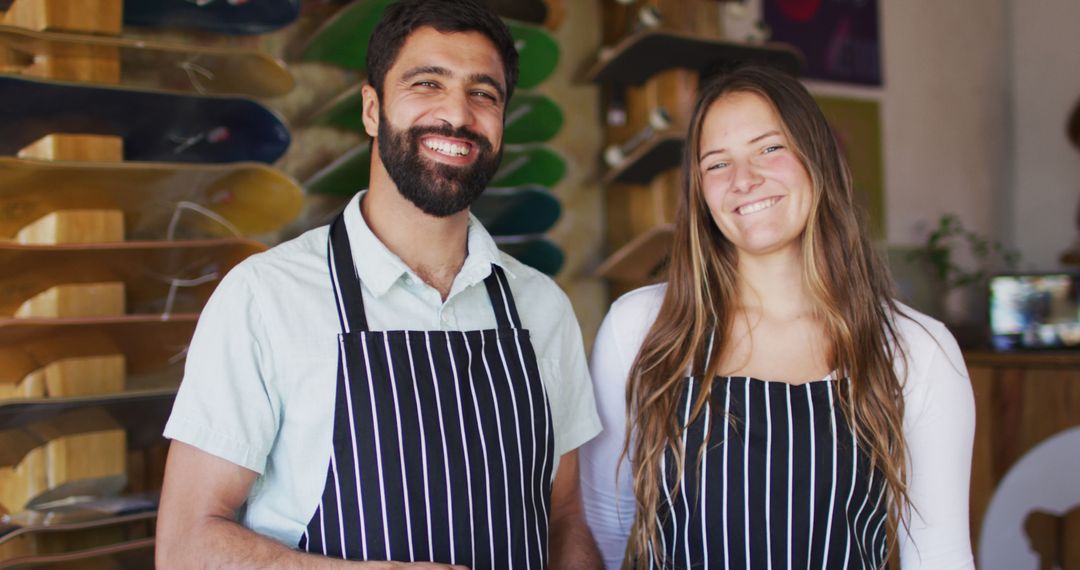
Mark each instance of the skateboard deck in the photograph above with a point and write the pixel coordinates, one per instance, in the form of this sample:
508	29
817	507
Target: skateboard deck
155	125
132	554
150	344
47	532
641	258
530	117
522	165
538	252
643	54
661	152
517	211
150	64
27	424
147	269
525	165
343	40
252	198
236	17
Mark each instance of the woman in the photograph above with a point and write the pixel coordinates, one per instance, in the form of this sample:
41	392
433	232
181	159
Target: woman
771	405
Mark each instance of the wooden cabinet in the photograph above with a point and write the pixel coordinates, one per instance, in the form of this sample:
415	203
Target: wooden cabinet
1020	401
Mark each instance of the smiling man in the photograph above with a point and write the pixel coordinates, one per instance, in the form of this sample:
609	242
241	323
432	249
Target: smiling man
391	390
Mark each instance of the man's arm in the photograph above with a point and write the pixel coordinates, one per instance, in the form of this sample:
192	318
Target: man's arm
571	544
197	526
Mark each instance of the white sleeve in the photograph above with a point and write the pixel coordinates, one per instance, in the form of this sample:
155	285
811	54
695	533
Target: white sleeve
608	499
939	428
224	406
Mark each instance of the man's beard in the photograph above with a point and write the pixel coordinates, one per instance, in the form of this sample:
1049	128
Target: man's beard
437	189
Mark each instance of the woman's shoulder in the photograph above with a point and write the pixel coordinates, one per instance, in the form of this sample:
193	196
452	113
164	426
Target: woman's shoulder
638	308
931	358
918	332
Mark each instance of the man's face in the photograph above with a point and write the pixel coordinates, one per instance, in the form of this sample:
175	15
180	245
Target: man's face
440	119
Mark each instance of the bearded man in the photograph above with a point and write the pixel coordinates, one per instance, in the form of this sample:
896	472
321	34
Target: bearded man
390	390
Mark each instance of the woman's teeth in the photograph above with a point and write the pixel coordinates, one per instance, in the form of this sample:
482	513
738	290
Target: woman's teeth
446	148
757	206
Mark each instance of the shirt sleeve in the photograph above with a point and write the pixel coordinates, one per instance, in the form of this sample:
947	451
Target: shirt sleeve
607	490
573	411
939	428
224	406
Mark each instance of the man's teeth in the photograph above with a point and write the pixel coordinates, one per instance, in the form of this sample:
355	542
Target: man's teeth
757	206
443	147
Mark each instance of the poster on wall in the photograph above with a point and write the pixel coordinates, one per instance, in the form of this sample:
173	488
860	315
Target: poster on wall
839	38
856	124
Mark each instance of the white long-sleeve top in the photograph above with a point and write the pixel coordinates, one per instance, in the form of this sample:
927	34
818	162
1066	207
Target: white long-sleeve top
939	423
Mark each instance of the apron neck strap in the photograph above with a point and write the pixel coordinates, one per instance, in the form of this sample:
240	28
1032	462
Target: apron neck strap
348	294
502	301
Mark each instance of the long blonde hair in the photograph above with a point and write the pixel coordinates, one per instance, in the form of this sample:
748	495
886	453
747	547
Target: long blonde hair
849	284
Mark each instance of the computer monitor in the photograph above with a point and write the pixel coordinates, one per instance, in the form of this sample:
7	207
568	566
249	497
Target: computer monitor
1035	311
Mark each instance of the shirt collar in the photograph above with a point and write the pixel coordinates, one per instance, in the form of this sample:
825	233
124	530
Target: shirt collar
379	268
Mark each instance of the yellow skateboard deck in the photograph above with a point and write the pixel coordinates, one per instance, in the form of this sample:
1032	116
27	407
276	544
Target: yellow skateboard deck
149	343
149	64
158	277
246	198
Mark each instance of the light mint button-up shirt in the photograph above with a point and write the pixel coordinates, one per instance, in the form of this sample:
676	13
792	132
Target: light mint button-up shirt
259	383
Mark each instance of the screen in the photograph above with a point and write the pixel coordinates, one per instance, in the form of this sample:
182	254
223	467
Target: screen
1035	311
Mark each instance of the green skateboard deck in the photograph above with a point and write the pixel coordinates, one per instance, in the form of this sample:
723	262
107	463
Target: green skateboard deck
534	250
525	165
246	198
537	252
528	165
530	117
517	211
158	277
150	64
343	40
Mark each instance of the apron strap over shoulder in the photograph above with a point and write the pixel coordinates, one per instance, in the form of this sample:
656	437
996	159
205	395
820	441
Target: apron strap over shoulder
502	301
347	291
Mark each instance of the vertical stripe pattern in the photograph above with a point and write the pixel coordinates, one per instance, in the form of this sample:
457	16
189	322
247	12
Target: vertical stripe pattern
442	442
781	484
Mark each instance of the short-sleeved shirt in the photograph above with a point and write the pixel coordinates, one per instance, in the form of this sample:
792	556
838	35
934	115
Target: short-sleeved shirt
259	383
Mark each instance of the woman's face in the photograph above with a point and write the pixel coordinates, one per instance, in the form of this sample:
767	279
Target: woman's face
757	189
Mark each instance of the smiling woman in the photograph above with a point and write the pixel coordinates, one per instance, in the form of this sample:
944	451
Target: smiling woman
771	404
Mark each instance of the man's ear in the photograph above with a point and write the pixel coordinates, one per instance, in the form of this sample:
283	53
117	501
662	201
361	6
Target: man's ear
371	110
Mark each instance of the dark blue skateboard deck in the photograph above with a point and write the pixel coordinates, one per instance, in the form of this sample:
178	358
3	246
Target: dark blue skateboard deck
156	126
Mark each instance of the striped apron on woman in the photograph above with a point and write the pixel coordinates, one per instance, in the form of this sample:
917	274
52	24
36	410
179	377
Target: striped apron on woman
442	440
782	484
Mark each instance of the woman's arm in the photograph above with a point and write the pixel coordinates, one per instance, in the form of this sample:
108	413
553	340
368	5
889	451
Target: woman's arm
939	427
608	499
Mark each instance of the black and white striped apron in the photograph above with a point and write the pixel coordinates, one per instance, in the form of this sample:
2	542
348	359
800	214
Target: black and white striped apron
782	484
442	440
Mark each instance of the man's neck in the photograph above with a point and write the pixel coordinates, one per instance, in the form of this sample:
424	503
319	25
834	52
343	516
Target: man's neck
434	248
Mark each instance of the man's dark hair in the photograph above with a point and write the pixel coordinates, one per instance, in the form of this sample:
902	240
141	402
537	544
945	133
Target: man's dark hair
404	17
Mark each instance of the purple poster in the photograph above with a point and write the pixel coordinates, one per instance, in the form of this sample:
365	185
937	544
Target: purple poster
838	37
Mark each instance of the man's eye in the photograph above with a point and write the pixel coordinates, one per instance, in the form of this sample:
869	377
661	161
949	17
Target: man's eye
431	84
487	95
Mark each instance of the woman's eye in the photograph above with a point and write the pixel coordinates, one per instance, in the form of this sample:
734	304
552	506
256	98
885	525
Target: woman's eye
772	148
716	166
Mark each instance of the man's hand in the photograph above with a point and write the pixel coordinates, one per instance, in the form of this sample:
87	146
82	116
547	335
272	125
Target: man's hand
197	526
572	545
